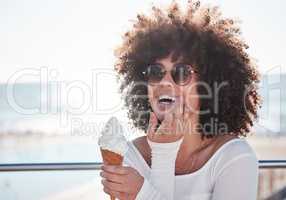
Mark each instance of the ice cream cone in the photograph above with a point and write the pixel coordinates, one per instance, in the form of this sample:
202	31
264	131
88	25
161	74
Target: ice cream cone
113	144
111	158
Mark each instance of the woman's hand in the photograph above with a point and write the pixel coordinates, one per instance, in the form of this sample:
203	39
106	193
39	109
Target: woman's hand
174	126
121	182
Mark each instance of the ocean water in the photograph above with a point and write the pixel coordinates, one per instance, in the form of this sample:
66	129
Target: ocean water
36	125
49	185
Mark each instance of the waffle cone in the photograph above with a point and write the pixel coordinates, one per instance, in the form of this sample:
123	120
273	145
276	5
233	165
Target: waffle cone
111	158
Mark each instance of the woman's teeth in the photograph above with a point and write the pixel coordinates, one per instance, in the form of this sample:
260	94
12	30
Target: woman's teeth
166	99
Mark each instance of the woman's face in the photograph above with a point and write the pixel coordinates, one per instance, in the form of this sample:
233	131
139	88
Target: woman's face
185	95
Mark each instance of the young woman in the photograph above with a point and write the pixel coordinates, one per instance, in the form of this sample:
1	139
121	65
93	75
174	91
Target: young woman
190	85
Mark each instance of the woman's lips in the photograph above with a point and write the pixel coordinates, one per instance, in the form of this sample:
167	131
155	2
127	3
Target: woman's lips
167	106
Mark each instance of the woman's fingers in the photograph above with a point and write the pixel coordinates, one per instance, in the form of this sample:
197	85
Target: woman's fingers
111	192
121	182
121	170
114	186
178	122
165	132
112	177
118	195
153	121
187	120
166	126
187	112
172	127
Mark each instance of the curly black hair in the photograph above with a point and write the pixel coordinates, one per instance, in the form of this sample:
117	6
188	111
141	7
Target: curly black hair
211	43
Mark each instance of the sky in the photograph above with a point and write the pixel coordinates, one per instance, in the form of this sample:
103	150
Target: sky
75	37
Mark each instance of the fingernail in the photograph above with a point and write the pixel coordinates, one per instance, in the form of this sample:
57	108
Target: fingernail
153	117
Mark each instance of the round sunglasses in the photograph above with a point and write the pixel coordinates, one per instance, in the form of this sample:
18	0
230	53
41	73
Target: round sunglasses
181	73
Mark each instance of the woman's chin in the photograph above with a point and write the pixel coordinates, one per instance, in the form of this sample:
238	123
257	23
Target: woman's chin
161	113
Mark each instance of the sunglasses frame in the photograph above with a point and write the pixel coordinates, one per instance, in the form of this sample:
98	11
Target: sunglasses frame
164	71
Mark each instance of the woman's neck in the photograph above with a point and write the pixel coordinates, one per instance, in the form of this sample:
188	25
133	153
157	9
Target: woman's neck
191	143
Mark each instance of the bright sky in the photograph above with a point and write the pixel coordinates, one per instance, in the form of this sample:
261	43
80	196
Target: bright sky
74	37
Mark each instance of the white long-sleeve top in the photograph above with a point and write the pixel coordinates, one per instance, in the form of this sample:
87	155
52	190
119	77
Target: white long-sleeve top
230	174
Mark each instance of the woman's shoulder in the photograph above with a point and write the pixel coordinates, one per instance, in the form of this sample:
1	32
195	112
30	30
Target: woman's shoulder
236	147
236	153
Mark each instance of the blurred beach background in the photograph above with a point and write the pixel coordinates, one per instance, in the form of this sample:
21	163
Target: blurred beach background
57	89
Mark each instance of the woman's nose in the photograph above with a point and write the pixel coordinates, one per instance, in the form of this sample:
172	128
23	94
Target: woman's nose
167	80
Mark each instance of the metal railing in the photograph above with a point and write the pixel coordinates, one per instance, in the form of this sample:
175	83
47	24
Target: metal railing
263	164
50	166
270	164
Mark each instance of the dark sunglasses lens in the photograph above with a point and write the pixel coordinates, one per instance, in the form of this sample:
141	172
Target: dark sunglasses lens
154	73
181	74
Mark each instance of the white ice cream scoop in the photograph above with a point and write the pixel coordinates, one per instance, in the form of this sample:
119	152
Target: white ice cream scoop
112	137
